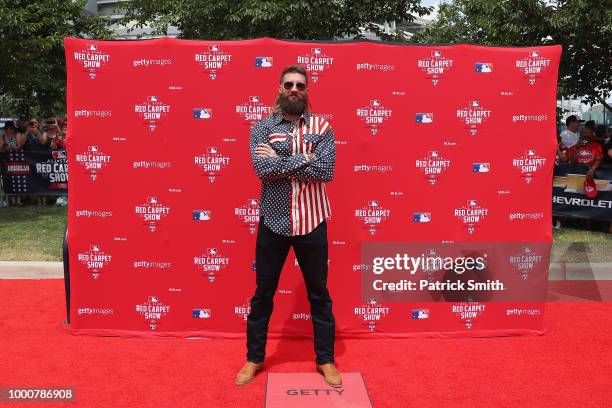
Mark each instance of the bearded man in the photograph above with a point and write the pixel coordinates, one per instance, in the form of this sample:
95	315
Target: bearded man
294	154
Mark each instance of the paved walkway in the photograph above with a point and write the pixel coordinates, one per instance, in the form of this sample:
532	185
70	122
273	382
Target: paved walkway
55	270
31	270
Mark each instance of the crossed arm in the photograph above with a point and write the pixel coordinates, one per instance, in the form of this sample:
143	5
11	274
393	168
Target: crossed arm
316	166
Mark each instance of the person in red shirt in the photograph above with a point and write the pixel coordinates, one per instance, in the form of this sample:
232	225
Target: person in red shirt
588	151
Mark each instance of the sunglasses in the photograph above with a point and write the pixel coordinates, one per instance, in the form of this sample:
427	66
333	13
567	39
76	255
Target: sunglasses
299	85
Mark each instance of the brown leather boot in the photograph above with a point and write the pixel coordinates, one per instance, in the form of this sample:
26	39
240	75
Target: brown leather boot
247	373
330	374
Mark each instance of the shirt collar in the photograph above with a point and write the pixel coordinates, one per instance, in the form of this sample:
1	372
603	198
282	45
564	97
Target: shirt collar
279	117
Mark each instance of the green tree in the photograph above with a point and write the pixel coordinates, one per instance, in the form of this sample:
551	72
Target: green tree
583	28
32	65
286	19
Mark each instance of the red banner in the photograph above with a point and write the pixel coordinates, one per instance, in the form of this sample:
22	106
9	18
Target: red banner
434	144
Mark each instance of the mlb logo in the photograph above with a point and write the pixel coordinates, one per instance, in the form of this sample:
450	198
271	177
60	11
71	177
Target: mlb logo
373	203
153	98
433	154
420	314
153	299
93	148
213	48
472	203
263	62
424	118
314	77
212	150
201	215
315	51
92	47
212	251
202	113
534	54
375	102
530	152
436	53
152	200
474	104
527	250
253	202
483	67
421	217
152	325
254	99
95	248
481	167
212	74
201	313
58	154
372	301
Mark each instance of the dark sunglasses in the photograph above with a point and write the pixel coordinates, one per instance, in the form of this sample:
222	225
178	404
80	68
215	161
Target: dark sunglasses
299	85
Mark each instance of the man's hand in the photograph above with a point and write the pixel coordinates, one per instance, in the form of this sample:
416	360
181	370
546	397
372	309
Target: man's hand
264	150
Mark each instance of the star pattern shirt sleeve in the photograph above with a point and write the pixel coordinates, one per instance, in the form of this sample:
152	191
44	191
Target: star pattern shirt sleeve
272	168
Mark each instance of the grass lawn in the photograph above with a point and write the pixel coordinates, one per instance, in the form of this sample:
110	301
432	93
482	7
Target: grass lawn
33	233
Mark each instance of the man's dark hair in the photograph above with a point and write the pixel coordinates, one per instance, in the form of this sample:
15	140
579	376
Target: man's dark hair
570	119
590	124
294	69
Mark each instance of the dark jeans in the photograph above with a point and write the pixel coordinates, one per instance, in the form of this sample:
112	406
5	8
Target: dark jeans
270	255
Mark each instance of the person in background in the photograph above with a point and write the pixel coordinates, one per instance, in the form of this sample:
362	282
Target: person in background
602	134
55	136
22	124
35	141
588	152
12	140
38	140
571	135
590	124
561	156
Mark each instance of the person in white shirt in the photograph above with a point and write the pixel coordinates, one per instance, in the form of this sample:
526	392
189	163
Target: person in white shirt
571	135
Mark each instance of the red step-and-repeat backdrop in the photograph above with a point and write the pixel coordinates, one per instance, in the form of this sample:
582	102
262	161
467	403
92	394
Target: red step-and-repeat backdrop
434	143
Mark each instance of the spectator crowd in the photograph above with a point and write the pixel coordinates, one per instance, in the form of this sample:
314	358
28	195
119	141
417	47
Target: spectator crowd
590	145
30	134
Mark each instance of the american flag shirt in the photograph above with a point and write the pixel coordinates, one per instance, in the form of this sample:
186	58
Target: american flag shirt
293	196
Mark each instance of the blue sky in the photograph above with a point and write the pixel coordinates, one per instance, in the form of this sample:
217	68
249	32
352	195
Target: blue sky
428	3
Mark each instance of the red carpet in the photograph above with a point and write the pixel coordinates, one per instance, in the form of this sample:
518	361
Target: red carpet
570	366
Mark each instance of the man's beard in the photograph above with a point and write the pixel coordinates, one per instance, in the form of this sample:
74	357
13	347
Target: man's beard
293	107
